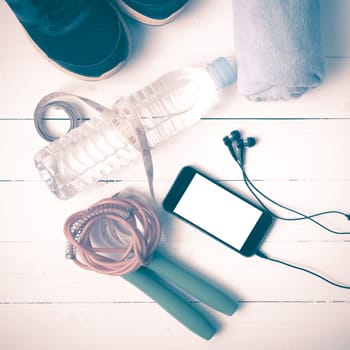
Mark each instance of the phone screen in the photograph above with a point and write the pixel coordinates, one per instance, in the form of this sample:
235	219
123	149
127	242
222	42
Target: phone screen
217	210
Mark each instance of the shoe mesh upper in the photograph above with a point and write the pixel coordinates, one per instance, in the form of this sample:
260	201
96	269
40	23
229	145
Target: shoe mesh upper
92	40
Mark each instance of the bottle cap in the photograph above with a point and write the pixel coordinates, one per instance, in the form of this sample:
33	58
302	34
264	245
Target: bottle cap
223	72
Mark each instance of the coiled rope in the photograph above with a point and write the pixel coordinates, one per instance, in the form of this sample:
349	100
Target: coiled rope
114	236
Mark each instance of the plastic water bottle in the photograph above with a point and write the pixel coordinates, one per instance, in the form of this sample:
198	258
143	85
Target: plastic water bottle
97	147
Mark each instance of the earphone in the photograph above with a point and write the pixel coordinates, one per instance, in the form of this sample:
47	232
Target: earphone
237	147
236	139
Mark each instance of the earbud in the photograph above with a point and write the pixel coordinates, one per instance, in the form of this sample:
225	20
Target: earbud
232	140
229	143
235	135
242	144
235	139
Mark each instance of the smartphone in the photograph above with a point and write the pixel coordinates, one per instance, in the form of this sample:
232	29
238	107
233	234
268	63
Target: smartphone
217	211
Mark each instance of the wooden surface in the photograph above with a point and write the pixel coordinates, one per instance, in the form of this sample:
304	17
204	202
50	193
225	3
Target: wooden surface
301	159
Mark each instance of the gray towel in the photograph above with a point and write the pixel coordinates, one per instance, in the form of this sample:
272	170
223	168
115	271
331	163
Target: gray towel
277	47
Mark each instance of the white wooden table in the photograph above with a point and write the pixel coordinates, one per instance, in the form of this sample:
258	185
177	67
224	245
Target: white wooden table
301	159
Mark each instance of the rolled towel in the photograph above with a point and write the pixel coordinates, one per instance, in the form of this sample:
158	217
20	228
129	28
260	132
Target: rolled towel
278	48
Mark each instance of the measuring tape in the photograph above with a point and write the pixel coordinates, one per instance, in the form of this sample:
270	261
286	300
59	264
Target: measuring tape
122	114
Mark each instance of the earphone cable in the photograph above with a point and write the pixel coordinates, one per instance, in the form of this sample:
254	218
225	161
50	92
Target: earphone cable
248	183
251	187
264	256
256	192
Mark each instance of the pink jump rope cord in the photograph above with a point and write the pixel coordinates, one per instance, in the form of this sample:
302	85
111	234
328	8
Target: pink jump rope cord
126	214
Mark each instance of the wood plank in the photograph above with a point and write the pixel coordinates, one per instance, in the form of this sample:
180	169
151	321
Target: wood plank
278	325
38	272
286	149
30	212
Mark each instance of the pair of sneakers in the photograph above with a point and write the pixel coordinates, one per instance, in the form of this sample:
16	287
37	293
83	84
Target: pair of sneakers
88	38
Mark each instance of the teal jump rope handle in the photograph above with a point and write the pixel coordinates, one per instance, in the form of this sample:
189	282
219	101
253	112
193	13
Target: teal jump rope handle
192	284
146	281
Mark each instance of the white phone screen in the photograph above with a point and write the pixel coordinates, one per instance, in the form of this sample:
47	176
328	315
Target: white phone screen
217	211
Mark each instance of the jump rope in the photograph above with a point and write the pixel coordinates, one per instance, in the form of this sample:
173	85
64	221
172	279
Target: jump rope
236	145
119	236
